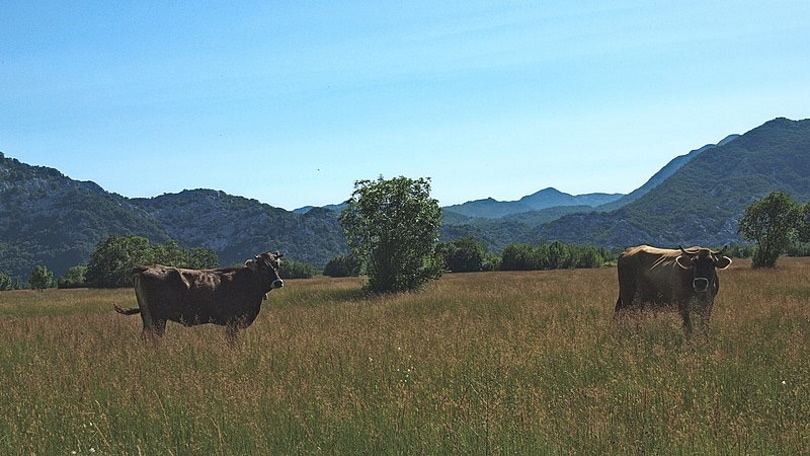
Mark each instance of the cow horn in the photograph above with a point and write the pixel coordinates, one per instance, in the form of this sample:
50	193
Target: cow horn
684	250
720	253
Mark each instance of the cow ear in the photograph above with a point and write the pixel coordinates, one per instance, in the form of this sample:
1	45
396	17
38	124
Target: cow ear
684	261
722	262
251	264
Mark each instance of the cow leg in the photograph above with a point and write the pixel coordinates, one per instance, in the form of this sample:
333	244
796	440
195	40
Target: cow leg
702	322
627	285
154	331
619	305
232	333
625	301
687	320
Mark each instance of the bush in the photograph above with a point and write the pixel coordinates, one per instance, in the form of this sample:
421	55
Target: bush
291	269
344	266
524	257
466	255
7	283
74	278
41	278
394	226
773	222
112	262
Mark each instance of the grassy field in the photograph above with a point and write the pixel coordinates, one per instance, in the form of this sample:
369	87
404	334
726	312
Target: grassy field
485	363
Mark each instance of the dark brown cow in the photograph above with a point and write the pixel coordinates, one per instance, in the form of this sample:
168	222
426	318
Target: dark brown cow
231	296
684	280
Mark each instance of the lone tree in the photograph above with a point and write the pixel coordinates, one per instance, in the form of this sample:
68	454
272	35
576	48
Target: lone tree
772	223
394	225
41	278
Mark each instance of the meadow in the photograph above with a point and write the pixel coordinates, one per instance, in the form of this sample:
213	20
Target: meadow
478	363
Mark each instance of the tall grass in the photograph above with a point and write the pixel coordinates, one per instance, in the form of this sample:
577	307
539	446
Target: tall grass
483	363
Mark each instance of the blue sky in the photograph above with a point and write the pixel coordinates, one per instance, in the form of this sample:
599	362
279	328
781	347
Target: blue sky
292	102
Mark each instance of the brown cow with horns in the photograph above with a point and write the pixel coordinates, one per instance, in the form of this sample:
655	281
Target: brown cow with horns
684	280
229	296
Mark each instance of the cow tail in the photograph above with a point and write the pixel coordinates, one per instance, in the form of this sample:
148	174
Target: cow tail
126	310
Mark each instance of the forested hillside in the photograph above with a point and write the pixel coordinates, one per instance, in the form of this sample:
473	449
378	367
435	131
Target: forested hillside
702	201
47	218
235	227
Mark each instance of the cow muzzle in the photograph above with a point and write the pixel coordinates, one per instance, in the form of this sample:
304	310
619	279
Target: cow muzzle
277	283
701	285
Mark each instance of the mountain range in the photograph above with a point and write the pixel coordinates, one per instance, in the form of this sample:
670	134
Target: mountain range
47	218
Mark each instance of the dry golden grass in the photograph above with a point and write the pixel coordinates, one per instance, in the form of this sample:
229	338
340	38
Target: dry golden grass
518	362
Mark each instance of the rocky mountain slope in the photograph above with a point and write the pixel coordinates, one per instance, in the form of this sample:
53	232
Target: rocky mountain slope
48	218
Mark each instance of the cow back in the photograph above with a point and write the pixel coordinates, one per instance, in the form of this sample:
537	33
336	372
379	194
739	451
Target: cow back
651	274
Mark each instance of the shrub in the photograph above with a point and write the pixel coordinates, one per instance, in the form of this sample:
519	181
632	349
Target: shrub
291	269
344	266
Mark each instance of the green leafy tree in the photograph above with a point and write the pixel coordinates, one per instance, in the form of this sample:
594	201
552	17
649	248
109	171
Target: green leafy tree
344	266
394	225
771	223
557	256
169	253
74	278
291	269
200	258
589	257
111	263
466	255
6	282
523	257
41	278
518	257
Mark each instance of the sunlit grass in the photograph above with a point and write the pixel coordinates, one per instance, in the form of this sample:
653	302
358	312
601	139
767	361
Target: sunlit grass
518	362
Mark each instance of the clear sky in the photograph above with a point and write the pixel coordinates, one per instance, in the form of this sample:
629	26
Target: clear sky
291	102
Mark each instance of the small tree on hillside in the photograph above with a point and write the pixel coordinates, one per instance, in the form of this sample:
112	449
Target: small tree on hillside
771	223
394	225
41	278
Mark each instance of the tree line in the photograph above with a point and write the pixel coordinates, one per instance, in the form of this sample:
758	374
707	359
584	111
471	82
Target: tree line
111	264
392	229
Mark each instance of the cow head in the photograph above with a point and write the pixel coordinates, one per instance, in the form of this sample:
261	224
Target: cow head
702	262
267	263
